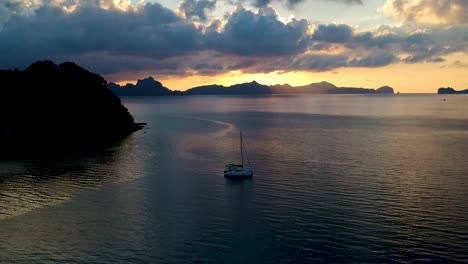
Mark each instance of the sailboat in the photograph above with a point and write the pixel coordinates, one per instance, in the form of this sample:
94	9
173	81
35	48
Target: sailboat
235	171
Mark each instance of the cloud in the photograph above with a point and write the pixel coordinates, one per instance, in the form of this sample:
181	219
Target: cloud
414	45
319	62
112	37
349	1
375	59
29	6
21	6
333	33
196	8
261	3
248	33
293	3
4	15
325	62
50	32
460	64
429	11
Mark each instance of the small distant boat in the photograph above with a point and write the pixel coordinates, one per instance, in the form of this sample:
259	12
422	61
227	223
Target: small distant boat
234	171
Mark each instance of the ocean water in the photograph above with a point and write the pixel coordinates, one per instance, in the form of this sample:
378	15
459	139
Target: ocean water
338	179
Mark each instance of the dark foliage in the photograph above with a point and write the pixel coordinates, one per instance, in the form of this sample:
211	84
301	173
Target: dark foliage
48	107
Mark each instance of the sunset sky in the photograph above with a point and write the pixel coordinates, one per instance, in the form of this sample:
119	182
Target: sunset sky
412	45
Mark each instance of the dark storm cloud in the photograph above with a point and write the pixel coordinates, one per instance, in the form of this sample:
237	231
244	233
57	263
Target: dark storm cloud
325	62
426	45
261	3
247	33
333	33
196	8
150	37
153	31
375	59
243	64
105	64
319	62
383	47
4	15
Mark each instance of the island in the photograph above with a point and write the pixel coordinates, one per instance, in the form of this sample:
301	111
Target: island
450	90
145	87
53	108
151	87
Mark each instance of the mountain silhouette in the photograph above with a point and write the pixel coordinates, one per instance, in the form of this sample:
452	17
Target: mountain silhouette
145	87
238	89
450	90
313	88
49	107
385	89
151	87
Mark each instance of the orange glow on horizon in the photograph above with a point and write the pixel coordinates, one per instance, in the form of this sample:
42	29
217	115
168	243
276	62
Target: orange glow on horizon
404	78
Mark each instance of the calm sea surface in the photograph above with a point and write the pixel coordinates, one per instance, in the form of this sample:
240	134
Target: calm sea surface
338	179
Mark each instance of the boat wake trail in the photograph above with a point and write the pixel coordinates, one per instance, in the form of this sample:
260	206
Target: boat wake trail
189	145
229	126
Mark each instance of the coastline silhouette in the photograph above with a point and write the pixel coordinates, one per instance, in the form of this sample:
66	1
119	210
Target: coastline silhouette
151	87
49	108
450	90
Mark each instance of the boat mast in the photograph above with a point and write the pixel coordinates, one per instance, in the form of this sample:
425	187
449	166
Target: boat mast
241	150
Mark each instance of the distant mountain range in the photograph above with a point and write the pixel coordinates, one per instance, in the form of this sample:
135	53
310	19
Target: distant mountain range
450	90
145	87
151	87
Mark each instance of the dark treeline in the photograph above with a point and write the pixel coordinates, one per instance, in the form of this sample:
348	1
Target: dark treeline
49	106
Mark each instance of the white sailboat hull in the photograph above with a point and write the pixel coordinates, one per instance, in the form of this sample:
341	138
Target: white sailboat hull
239	173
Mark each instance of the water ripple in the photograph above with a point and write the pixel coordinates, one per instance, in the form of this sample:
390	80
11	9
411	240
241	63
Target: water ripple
331	185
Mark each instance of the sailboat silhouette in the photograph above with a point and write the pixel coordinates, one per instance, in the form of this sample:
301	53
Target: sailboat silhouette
235	171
